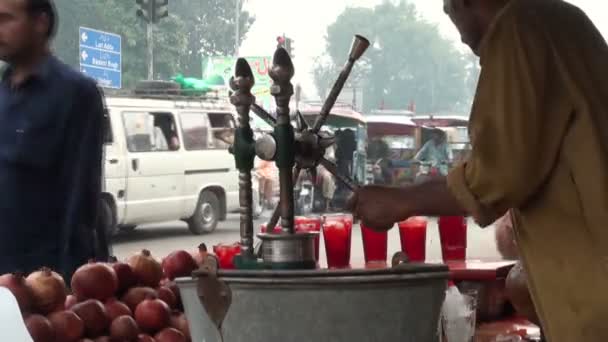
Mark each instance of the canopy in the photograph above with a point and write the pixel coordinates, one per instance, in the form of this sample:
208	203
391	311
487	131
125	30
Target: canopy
441	120
390	124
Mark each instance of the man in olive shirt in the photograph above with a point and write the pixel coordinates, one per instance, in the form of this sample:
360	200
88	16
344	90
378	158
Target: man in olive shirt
539	131
50	147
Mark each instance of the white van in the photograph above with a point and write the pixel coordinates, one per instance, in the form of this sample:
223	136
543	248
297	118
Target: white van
165	161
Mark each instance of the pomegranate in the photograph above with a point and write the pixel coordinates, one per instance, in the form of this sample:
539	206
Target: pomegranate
170	335
149	272
70	301
124	328
68	326
126	277
40	328
518	293
15	282
94	281
137	295
103	339
152	315
145	338
505	238
179	264
178	321
115	308
93	314
48	290
166	295
171	285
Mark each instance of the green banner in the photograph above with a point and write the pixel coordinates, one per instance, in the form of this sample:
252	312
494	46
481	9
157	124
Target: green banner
224	67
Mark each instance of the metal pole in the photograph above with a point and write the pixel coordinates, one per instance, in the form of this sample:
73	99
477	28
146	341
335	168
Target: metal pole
238	28
150	35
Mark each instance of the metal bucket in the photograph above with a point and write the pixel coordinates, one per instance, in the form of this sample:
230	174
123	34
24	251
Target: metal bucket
395	304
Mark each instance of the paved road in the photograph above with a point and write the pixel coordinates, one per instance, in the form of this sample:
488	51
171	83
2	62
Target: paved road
161	239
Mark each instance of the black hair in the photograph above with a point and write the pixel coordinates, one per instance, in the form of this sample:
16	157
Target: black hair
44	7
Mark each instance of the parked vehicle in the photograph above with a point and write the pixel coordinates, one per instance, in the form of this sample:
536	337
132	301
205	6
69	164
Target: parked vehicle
166	158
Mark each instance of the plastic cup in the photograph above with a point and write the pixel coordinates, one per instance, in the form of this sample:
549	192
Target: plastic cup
453	235
375	245
337	237
226	253
412	234
461	324
310	224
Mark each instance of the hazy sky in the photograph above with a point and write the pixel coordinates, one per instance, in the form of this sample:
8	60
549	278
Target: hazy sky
306	22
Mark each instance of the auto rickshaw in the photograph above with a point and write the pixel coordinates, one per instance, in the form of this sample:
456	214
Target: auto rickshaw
392	136
350	131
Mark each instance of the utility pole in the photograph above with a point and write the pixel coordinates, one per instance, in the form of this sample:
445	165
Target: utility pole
237	36
152	11
150	38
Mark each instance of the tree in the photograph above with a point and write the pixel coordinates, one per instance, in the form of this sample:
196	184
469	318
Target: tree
211	28
175	49
409	60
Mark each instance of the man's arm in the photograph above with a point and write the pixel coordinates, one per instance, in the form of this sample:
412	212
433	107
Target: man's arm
84	153
517	129
422	153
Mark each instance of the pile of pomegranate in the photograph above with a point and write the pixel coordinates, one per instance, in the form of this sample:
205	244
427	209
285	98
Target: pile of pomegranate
131	301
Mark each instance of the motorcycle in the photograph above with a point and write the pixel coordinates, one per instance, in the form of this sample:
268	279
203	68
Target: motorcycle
308	196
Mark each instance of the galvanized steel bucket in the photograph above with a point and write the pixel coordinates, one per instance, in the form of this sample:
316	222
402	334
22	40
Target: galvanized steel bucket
395	304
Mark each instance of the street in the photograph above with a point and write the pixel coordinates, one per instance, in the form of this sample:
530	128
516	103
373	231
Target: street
162	239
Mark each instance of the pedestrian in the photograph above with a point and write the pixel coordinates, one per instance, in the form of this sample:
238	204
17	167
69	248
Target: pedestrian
539	129
51	137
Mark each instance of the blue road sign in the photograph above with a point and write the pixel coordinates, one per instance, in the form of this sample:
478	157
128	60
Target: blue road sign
100	56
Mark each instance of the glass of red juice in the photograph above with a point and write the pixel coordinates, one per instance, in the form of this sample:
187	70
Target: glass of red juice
226	253
453	235
412	234
310	224
375	245
337	237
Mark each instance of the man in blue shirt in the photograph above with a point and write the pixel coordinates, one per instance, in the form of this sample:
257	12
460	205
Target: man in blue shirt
436	151
51	122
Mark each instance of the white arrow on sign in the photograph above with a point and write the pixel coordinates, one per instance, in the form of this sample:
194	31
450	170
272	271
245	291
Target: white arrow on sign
84	55
84	37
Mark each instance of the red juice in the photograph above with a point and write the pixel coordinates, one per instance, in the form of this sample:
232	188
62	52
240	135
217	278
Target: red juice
375	244
226	253
310	224
347	220
412	234
453	235
337	237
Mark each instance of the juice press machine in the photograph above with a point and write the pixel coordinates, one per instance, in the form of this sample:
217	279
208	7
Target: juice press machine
277	293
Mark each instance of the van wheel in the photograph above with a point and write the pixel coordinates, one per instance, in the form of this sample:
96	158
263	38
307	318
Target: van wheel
108	221
206	215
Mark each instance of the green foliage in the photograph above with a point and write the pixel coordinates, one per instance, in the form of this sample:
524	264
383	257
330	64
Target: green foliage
195	28
408	60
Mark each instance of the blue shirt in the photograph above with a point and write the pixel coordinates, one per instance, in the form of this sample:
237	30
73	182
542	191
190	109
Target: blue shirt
50	168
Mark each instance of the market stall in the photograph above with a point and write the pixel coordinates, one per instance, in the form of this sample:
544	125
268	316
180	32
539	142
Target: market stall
275	290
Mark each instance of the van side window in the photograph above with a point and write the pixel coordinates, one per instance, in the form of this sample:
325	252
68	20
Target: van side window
108	135
195	130
150	132
222	126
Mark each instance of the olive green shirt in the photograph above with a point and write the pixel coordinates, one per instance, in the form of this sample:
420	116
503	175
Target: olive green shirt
539	129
